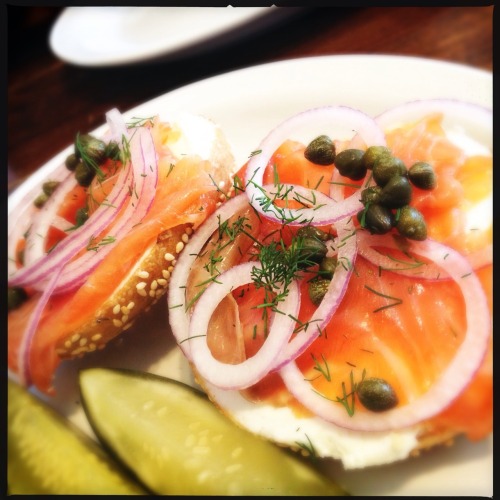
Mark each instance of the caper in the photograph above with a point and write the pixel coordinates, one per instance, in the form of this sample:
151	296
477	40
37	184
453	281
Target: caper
313	232
371	194
396	193
90	149
350	164
376	394
387	167
112	151
376	218
411	224
317	290
84	174
327	267
373	153
321	151
49	187
40	200
311	250
422	175
15	297
72	162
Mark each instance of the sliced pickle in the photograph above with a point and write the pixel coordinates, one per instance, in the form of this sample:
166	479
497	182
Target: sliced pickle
47	455
178	443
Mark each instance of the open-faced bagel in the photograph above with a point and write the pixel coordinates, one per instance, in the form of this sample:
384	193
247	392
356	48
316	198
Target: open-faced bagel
179	170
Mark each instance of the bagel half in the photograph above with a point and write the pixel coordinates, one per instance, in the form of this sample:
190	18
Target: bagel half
194	163
418	321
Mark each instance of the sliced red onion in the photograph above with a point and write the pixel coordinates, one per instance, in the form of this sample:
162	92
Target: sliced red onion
117	126
452	381
178	315
411	268
337	122
20	218
43	220
253	369
346	255
24	368
76	241
145	179
466	119
40	269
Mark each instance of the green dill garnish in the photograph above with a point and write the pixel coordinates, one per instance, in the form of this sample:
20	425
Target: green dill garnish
324	369
396	300
308	448
107	240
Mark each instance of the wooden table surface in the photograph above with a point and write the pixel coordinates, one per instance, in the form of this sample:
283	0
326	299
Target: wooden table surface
49	100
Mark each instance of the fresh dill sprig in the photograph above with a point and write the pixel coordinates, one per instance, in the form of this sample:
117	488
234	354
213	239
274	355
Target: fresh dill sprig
396	300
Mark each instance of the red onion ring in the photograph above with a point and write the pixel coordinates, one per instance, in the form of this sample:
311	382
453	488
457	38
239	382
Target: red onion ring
43	220
145	179
21	216
476	119
178	316
347	248
427	271
310	124
452	381
250	371
24	366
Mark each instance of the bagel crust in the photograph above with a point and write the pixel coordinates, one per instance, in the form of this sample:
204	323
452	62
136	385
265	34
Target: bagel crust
144	285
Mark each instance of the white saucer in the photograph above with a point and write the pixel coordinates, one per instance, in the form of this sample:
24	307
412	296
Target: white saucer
108	36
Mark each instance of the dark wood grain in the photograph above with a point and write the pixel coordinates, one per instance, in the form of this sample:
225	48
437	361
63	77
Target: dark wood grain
48	100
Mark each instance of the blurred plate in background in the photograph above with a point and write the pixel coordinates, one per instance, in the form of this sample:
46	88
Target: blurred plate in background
107	36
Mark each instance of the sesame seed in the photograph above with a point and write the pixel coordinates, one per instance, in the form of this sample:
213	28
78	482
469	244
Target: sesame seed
170	269
130	305
166	274
143	274
141	285
92	347
116	309
67	344
96	337
127	326
185	238
124	310
162	282
142	293
75	337
117	323
124	318
152	294
179	247
169	257
83	341
154	285
78	351
189	231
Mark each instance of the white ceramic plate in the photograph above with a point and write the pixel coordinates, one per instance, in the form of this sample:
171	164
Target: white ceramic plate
248	103
107	36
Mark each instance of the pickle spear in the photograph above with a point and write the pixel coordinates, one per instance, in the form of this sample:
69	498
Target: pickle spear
178	443
47	455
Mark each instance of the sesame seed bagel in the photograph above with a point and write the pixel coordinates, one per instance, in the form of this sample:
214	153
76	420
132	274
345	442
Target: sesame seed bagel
141	288
191	165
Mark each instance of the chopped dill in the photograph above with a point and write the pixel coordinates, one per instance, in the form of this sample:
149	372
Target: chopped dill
396	300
